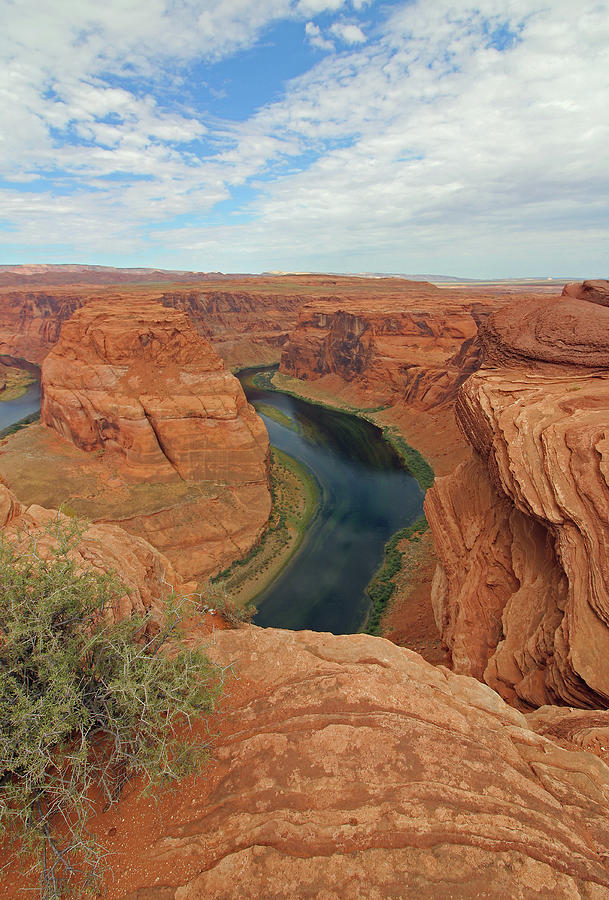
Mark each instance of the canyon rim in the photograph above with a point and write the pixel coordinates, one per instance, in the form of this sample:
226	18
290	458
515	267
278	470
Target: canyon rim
346	766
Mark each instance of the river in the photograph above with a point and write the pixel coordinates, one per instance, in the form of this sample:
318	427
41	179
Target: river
12	411
366	496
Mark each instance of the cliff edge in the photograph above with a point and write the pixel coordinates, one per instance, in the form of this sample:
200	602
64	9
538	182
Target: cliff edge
521	592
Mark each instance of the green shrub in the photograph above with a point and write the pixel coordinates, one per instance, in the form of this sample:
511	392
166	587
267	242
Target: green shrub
382	586
85	703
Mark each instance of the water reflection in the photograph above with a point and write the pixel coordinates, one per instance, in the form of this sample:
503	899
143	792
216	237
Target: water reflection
367	496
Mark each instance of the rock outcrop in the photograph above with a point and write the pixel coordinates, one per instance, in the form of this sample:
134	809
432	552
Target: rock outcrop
142	384
144	427
417	347
146	575
594	291
522	529
30	323
348	767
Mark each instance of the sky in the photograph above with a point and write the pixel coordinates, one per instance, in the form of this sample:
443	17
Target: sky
428	136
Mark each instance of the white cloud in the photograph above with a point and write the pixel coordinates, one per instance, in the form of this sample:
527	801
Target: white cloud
471	135
313	32
349	34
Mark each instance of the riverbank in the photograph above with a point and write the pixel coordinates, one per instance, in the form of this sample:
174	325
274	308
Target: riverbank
14	382
402	585
295	500
413	461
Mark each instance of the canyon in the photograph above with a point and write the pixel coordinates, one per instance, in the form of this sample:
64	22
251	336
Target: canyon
143	425
348	766
521	527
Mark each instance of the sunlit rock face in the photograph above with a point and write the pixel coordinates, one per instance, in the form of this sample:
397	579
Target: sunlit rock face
522	529
416	348
141	383
148	402
350	768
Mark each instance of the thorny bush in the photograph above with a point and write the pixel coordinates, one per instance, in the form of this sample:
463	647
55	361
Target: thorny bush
85	704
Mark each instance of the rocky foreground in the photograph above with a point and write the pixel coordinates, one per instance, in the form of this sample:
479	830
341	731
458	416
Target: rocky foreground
346	767
522	528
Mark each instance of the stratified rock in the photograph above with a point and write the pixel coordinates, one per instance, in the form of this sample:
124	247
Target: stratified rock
146	575
522	531
417	347
349	768
244	326
594	291
30	323
140	383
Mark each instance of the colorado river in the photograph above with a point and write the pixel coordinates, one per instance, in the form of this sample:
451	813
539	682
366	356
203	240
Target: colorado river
12	411
366	496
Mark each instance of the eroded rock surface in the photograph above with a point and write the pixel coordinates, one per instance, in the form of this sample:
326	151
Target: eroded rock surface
350	768
30	323
146	575
144	427
594	291
522	530
417	347
243	326
142	384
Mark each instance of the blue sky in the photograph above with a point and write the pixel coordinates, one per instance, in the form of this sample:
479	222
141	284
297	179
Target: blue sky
435	136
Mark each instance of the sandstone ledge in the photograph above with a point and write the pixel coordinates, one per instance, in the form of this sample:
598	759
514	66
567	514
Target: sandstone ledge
349	768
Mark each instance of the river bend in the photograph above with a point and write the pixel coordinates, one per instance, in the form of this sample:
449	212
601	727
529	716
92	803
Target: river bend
366	496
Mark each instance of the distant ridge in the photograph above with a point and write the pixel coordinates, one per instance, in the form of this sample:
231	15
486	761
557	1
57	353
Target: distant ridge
53	274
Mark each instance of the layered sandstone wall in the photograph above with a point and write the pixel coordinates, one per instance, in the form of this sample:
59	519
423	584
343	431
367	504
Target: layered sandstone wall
522	529
142	384
416	348
30	323
243	327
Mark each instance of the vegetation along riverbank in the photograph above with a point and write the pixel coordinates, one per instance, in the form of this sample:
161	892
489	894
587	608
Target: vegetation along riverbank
400	591
14	382
296	497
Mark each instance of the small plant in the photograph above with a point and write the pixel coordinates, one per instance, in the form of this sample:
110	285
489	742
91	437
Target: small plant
85	703
382	586
217	599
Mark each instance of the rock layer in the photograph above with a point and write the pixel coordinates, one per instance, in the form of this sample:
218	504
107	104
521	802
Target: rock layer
417	347
347	767
522	530
141	384
30	323
243	326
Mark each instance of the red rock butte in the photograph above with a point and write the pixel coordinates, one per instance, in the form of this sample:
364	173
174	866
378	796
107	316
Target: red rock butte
140	383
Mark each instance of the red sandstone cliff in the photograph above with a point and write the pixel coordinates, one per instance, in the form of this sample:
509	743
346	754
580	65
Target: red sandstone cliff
30	323
243	326
521	594
416	347
140	383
